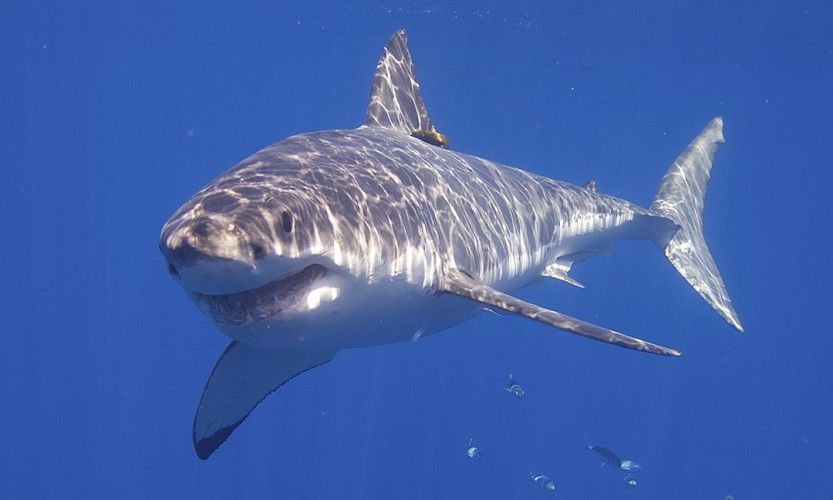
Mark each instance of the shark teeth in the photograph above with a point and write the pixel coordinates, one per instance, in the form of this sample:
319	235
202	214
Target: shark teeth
260	304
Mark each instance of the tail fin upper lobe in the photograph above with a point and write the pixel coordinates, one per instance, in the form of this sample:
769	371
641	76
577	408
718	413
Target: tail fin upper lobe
680	198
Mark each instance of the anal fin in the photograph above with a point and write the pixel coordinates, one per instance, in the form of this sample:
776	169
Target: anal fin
242	378
458	283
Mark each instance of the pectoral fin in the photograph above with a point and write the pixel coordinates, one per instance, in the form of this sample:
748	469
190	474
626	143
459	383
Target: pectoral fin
242	378
458	283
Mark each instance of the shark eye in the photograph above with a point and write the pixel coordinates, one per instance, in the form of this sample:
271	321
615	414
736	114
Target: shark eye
257	251
287	222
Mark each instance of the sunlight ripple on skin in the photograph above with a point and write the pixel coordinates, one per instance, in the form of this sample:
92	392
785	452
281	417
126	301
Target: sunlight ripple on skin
320	294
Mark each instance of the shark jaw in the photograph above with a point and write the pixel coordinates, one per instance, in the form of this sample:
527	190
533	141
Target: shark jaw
297	292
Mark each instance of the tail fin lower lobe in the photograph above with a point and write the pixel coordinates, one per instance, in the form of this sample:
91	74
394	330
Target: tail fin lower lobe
680	198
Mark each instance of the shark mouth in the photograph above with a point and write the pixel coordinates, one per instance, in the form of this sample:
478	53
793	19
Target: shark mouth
259	304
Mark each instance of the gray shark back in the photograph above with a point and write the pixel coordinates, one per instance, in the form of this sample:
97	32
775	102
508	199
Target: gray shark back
390	197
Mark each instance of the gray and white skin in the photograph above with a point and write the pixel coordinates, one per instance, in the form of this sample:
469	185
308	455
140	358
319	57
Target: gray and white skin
354	238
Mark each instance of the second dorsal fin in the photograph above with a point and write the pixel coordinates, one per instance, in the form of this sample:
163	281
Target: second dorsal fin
394	99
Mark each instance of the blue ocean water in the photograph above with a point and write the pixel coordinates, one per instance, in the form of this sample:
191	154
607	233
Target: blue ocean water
112	115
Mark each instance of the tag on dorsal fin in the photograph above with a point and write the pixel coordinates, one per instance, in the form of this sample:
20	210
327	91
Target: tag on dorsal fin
395	102
460	284
559	270
431	137
590	185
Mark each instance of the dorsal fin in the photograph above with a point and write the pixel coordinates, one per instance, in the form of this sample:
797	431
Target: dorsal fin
394	99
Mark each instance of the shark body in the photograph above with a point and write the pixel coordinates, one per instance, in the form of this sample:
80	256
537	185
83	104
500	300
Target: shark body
352	238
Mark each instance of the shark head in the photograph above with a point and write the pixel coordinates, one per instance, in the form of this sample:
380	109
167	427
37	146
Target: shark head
299	236
255	245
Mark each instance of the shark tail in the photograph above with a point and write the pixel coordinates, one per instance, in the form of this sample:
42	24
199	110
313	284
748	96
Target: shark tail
680	198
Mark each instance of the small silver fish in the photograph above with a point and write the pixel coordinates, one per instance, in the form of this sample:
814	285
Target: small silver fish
473	451
542	481
608	456
512	386
630	465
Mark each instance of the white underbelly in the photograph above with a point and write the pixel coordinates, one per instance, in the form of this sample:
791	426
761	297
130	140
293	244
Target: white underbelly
361	315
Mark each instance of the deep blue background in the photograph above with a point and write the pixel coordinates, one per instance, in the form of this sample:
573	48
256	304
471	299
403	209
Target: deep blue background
111	116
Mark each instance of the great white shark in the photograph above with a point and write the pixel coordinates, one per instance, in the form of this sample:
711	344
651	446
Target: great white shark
353	238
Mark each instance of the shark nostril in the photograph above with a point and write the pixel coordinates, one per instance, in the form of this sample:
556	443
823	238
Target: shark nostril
201	229
172	270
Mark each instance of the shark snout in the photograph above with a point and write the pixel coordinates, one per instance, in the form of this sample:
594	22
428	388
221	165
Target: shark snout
182	255
183	246
209	256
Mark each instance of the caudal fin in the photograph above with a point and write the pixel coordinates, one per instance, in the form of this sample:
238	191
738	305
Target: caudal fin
680	198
